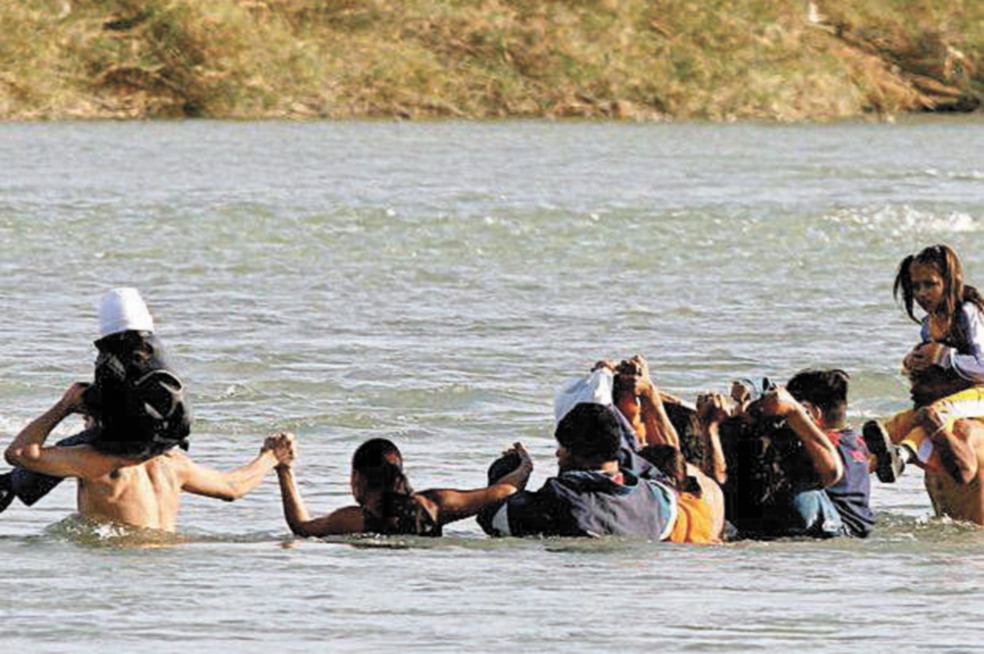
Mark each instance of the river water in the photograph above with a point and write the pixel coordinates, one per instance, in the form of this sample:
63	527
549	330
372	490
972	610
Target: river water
433	283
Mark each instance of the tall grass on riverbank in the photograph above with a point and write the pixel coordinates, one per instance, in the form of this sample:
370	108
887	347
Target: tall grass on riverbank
631	59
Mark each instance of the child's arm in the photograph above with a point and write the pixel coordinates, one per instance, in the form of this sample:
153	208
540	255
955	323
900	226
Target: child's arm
969	366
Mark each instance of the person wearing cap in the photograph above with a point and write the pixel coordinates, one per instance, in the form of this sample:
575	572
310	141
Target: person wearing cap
129	466
591	495
126	335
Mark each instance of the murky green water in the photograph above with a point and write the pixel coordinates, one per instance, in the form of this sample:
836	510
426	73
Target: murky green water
433	283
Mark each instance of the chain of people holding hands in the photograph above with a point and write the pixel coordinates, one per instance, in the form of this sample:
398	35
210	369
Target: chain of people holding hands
762	461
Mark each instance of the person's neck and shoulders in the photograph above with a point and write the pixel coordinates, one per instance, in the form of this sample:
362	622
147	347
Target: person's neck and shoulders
590	495
396	510
111	487
139	489
144	493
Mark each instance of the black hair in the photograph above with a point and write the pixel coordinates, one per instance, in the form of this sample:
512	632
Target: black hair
380	463
669	460
503	466
591	433
824	389
944	259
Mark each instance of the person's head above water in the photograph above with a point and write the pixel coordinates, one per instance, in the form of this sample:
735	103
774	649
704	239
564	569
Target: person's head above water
135	396
588	436
934	279
824	389
377	468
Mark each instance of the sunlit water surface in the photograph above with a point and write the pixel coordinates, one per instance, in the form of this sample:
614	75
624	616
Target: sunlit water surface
433	283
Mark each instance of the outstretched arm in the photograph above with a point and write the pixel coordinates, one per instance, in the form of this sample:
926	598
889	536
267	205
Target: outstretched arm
347	520
457	504
824	456
227	486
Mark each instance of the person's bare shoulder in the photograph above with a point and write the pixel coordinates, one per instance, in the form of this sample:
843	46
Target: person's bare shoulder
176	459
81	461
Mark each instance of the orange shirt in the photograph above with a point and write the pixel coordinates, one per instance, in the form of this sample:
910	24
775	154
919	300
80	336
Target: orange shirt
694	523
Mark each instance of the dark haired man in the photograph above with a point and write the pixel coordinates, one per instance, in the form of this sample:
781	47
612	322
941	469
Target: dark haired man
128	467
805	475
823	393
954	470
590	495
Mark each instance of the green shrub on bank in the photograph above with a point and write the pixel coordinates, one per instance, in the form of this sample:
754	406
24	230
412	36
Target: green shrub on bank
636	59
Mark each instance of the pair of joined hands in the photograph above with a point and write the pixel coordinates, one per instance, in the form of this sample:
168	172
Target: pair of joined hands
283	446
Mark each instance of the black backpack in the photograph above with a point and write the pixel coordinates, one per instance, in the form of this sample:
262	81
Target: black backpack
767	465
137	400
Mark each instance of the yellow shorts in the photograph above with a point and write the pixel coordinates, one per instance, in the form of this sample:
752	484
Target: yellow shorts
903	429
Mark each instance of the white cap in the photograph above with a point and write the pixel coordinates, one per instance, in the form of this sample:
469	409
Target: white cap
596	388
122	309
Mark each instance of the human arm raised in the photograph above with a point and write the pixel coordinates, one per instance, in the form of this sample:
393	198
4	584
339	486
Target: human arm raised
232	485
454	504
823	454
347	520
659	428
28	451
712	409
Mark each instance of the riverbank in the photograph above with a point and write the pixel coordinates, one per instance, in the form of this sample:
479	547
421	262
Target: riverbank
614	59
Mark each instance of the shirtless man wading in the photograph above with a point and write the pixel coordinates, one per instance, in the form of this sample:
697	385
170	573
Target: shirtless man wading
131	470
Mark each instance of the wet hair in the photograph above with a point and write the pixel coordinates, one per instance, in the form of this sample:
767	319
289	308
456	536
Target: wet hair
591	433
503	466
380	464
946	263
824	389
669	460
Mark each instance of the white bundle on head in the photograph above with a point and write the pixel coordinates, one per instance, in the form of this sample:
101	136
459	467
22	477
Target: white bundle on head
596	388
122	309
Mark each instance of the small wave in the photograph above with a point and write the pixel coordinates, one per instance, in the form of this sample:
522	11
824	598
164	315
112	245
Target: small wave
91	533
970	176
903	220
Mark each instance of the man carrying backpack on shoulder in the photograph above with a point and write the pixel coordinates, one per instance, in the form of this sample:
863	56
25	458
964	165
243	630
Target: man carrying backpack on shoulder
127	465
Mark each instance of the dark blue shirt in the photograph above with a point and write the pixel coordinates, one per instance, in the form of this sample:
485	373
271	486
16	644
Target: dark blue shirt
587	503
852	494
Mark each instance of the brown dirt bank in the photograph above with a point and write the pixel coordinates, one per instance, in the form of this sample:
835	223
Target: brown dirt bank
625	59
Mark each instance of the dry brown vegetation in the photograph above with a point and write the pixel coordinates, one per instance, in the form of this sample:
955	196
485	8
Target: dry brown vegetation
623	59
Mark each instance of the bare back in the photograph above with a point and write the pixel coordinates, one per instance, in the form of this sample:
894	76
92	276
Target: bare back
140	494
